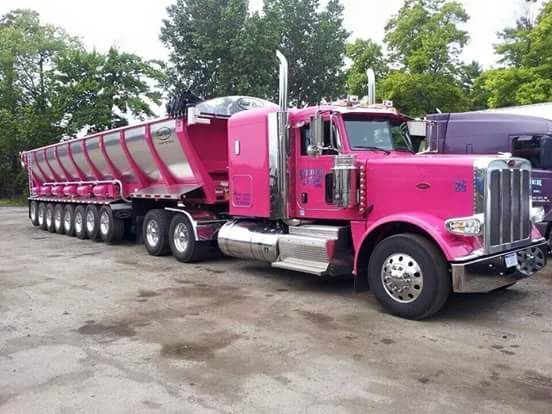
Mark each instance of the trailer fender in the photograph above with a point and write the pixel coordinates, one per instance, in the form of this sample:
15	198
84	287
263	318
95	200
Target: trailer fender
430	226
204	224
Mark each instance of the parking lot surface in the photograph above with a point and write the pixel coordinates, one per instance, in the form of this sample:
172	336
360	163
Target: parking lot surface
89	327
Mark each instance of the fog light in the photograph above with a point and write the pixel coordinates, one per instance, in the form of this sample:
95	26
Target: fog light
465	226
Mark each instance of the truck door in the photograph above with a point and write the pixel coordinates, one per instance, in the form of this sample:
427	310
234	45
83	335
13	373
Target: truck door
313	178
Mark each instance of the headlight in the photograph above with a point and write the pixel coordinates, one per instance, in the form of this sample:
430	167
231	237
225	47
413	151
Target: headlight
465	226
537	214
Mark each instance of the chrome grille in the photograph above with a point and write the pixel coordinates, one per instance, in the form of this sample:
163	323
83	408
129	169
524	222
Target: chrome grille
506	203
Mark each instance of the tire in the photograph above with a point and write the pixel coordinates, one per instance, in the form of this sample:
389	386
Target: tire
69	220
58	219
80	222
92	222
50	218
33	213
156	232
428	282
184	246
42	216
112	229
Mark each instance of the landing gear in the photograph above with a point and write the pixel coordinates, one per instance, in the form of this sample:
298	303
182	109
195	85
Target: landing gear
409	276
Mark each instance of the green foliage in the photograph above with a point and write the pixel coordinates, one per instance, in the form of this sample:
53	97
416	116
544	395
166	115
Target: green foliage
424	37
50	86
527	50
364	54
417	94
218	48
425	41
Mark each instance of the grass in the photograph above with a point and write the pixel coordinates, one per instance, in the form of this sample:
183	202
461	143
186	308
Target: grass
13	202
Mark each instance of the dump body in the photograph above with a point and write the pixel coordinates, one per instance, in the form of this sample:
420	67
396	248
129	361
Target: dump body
501	131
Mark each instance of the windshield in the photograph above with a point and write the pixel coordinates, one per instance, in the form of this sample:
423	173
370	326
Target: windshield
382	133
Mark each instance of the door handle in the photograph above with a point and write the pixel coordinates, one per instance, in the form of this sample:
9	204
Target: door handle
304	198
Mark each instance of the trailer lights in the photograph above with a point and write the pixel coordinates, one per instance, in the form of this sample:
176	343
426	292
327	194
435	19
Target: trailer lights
465	226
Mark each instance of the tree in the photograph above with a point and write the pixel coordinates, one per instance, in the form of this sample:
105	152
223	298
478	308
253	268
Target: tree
417	94
203	37
50	86
218	48
364	54
425	42
424	37
527	52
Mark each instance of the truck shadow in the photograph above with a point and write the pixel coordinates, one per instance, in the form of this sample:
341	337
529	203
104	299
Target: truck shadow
468	306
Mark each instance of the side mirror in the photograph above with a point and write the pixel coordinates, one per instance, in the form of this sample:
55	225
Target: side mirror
546	153
316	135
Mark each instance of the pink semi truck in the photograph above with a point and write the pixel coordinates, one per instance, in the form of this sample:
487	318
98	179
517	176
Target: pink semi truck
326	190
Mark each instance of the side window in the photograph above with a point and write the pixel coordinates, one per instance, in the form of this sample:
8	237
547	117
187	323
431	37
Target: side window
328	142
527	147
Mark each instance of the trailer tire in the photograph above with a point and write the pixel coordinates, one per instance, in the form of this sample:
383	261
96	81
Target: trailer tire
69	220
80	222
50	218
156	232
112	229
42	215
58	219
33	213
184	246
409	276
92	222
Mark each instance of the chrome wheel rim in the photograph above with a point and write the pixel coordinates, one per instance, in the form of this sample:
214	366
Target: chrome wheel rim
57	219
49	217
41	215
90	221
402	278
67	221
78	222
33	211
104	223
181	237
152	233
530	260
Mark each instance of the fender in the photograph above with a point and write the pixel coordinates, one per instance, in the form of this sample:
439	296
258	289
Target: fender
452	246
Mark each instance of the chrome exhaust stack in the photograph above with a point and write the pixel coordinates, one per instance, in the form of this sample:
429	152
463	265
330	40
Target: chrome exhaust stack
279	188
371	75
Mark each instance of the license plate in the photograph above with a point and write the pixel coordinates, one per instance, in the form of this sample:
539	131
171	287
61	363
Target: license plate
511	260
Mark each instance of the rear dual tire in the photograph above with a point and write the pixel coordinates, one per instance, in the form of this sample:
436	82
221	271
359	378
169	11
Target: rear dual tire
80	222
112	229
92	222
33	212
182	241
155	230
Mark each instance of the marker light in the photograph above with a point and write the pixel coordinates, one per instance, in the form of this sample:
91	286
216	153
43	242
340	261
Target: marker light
465	226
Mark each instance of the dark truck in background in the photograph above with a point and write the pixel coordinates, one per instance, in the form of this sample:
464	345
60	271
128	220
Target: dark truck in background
490	132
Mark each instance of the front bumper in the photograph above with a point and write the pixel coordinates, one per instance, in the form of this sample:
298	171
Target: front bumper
490	272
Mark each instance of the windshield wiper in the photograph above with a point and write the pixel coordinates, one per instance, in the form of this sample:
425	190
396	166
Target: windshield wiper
374	149
403	150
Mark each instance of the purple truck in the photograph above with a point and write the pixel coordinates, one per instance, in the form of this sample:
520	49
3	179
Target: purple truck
489	132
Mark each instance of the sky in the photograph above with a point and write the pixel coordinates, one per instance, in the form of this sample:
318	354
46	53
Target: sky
133	25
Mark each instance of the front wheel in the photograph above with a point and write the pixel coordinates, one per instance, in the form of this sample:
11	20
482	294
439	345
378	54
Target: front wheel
409	276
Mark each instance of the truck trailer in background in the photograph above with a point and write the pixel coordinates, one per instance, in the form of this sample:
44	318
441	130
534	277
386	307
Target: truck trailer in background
502	131
327	190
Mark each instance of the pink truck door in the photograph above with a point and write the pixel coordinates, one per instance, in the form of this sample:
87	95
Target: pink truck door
313	177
